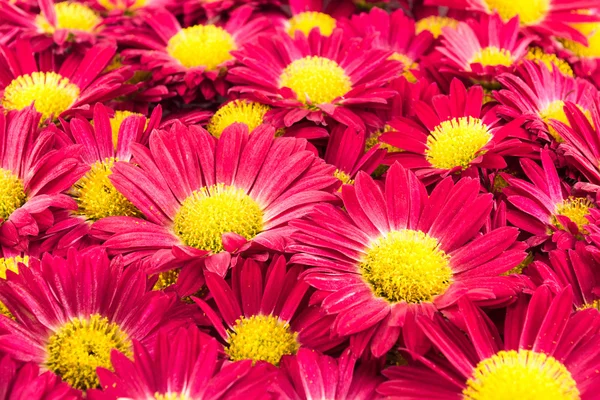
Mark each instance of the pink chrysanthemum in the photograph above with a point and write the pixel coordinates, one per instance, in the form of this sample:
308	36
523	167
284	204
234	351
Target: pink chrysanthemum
546	352
396	252
316	14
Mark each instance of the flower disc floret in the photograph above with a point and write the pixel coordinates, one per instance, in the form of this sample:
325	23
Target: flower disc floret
202	46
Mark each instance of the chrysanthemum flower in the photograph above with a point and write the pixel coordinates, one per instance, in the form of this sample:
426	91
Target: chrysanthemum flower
434	24
70	313
314	77
546	353
191	61
550	60
586	56
454	134
184	364
202	195
130	7
539	94
241	111
396	252
259	315
33	174
58	87
310	14
11	261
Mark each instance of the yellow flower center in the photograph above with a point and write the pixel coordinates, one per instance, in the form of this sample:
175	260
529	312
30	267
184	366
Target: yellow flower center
116	121
521	266
456	143
82	345
166	279
551	61
12	194
10	264
530	12
344	177
576	209
592	50
595	304
72	16
52	93
97	197
261	338
315	79
492	56
202	46
121	5
555	110
406	265
408	64
247	112
212	211
523	375
435	24
306	21
170	396
374	139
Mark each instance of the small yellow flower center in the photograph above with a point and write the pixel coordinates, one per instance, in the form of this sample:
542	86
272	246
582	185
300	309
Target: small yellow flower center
374	140
595	304
116	121
521	266
551	61
315	79
555	110
435	24
170	396
492	56
10	264
408	64
202	46
308	20
576	209
52	93
166	279
406	265
212	211
82	345
530	12
456	143
121	5
344	177
592	50
12	194
261	338
72	16
247	112
523	375
97	197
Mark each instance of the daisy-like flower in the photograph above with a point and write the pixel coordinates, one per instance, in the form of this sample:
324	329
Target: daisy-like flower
310	14
191	61
203	196
539	94
33	175
70	313
260	313
585	56
73	83
454	134
546	353
435	24
314	77
184	364
394	252
241	111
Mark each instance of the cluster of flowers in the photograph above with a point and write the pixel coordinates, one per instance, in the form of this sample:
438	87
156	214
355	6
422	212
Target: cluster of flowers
303	199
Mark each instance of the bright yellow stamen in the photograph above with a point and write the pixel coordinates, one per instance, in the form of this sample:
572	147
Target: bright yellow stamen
344	177
492	56
121	5
202	46
576	209
212	211
551	61
12	194
595	304
243	111
116	121
523	375
170	396
10	264
435	24
72	16
592	50
374	139
166	279
530	12
315	79
82	345
261	338
521	266
406	265
51	92
408	64
306	21
97	197
555	110
456	143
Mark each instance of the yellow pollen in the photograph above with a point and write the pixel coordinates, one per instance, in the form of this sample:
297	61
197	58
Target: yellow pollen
308	20
592	50
121	5
52	93
530	12
456	143
408	64
10	264
210	212
435	24
344	177
97	197
523	375
117	120
315	80
82	345
576	209
12	194
166	279
170	396
521	266
492	56
261	338
555	110
594	304
374	139
72	16
551	61
243	111
202	46
406	265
